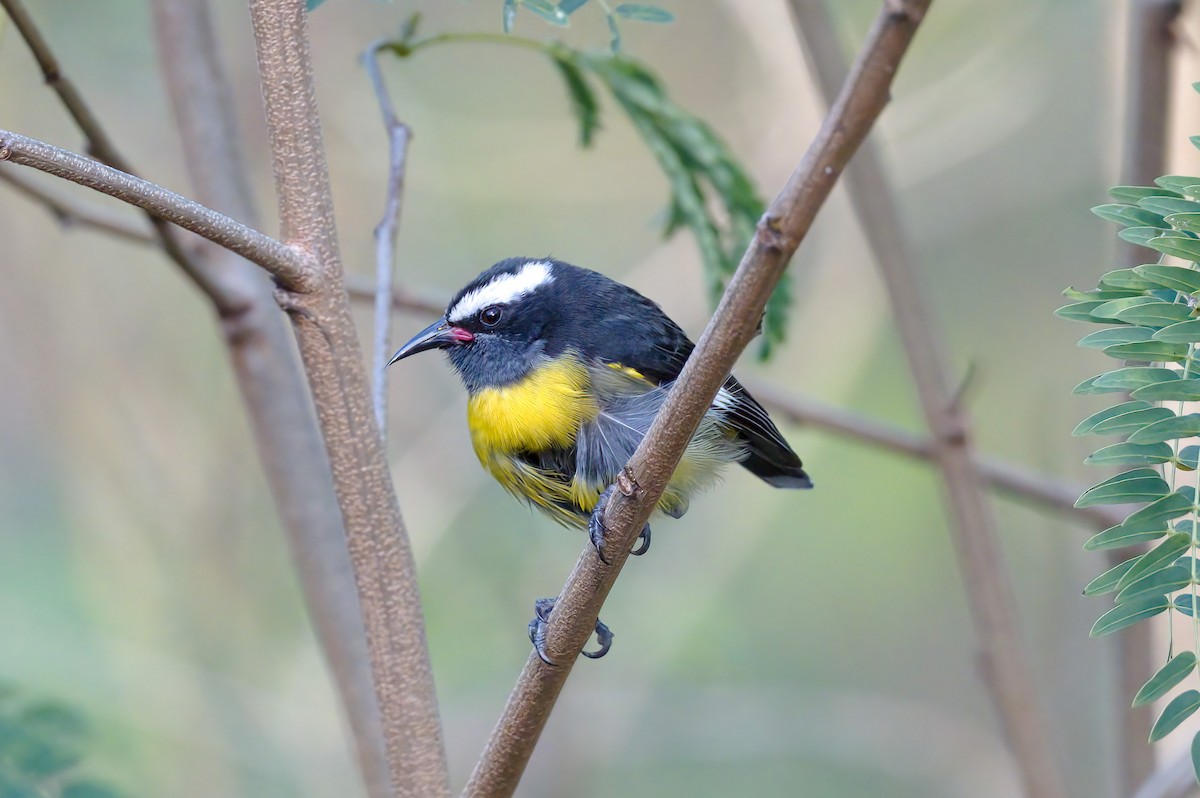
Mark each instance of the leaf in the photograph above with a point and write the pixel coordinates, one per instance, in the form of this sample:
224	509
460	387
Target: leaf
1079	311
1176	390
1159	511
1196	739
583	100
1168	206
643	13
1139	235
1182	332
1107	581
1123	489
1183	603
1178	183
1169	429
1131	378
1126	423
1129	215
1125	280
1116	335
615	31
569	7
1155	314
1180	709
1157	583
1128	614
1135	193
1149	351
1089	386
1177	245
1174	277
1088	296
1158	558
311	4
88	789
547	11
1169	675
510	15
1109	310
1116	537
1086	426
1189	221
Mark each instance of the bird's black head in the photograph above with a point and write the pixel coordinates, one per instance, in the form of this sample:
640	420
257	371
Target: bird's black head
505	322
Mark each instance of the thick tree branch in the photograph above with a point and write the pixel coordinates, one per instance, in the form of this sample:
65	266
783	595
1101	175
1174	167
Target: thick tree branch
782	228
385	573
385	232
1005	669
290	266
1149	47
269	376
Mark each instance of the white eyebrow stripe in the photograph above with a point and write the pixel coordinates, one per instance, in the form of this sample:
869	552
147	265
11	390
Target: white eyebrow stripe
504	288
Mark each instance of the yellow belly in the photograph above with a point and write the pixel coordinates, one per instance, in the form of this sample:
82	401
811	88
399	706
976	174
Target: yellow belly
542	411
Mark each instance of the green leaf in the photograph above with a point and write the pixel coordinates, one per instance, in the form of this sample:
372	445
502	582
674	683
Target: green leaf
1135	193
1079	311
88	789
1156	514
1184	332
1174	277
1124	489
1128	614
1131	378
1183	603
569	7
1169	429
1110	309
1177	245
1178	183
1088	296
311	4
1116	335
1089	386
1180	709
1139	235
643	13
1155	314
1169	675
1129	215
547	11
615	32
1184	221
1107	581
1088	425
1176	390
1186	459
583	100
1158	558
1116	537
1157	583
1196	739
1149	351
510	15
1125	280
1168	206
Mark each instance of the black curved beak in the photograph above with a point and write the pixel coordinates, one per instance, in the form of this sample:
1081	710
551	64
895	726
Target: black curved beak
438	335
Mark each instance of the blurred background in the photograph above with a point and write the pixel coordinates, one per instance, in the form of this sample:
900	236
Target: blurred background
771	639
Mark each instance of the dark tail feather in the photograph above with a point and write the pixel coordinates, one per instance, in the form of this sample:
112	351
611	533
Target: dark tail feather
777	474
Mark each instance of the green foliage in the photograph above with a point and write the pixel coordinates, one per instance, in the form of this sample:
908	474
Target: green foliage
1152	328
559	14
711	194
41	746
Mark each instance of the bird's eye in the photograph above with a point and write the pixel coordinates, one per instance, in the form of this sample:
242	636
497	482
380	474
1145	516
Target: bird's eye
490	316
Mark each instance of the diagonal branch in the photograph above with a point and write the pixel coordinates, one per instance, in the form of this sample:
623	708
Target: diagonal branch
1006	670
734	324
77	214
290	266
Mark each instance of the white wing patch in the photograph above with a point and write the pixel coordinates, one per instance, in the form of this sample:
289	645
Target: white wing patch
504	288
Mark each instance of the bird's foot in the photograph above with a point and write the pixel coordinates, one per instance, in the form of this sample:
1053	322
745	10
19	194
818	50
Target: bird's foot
539	625
596	531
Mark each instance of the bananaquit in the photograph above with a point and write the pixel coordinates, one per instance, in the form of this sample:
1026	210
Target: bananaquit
565	370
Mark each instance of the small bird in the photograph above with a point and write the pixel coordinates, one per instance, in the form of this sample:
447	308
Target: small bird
565	370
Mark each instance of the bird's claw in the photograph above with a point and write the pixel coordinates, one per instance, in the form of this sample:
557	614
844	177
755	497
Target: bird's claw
540	623
596	531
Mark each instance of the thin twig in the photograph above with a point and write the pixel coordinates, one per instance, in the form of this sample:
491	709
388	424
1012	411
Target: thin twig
404	300
399	136
269	377
1017	482
732	327
289	265
77	214
1006	670
101	147
384	569
1149	45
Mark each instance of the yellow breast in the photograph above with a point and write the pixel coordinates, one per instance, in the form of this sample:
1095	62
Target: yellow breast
541	411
